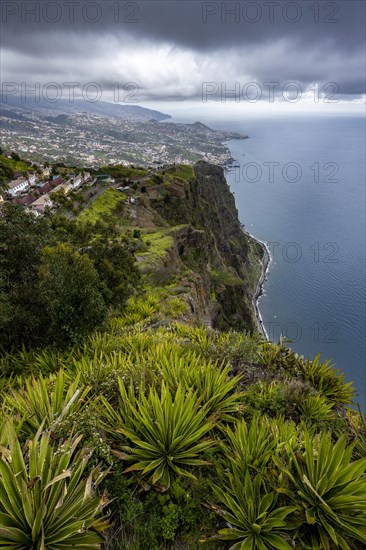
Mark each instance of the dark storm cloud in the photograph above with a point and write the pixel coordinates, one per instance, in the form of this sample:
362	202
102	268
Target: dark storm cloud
193	23
207	25
170	47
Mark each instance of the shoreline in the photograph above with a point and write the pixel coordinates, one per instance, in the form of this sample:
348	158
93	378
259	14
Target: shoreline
265	263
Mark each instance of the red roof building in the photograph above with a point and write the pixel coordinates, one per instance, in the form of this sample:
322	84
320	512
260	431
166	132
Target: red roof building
25	201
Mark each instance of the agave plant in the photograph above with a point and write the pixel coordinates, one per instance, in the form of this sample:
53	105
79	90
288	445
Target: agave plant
357	423
46	503
252	448
116	417
99	343
211	381
137	341
331	491
270	353
200	337
45	401
167	433
174	307
174	364
254	520
327	380
139	311
4	433
47	362
316	408
5	385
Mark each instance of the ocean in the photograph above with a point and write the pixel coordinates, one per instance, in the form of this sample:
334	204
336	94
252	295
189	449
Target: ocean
299	186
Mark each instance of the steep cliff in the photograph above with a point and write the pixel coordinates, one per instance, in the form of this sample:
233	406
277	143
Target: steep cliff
206	250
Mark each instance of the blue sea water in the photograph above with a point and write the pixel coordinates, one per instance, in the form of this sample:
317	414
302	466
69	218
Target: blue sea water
299	185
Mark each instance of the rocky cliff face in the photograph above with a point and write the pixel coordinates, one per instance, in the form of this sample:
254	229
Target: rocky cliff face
213	259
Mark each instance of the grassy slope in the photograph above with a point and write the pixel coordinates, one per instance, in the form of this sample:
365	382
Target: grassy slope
161	214
145	345
102	206
15	165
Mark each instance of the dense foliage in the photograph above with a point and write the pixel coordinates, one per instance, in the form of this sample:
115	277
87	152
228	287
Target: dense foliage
168	412
46	502
126	425
59	278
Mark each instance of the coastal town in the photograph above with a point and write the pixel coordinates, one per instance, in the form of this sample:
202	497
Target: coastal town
94	140
55	143
41	189
37	191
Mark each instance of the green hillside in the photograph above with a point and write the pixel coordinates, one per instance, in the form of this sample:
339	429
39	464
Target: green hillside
141	408
10	167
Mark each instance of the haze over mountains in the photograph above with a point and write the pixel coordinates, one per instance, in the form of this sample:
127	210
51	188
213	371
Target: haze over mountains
64	106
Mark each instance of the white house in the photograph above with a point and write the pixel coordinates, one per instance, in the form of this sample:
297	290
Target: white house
78	180
16	187
32	179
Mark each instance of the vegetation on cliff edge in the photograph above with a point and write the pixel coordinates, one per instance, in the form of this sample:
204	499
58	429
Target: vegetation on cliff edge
129	420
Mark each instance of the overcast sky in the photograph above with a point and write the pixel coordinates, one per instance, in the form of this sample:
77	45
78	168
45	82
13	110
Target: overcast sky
177	50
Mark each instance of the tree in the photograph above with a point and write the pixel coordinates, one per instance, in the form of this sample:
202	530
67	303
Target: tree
115	265
6	174
22	237
112	257
70	292
57	293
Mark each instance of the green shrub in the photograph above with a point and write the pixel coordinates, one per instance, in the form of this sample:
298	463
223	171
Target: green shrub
252	447
254	520
45	402
268	398
169	521
327	380
167	433
45	500
330	490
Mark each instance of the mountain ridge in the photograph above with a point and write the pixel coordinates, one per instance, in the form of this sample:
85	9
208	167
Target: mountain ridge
101	108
